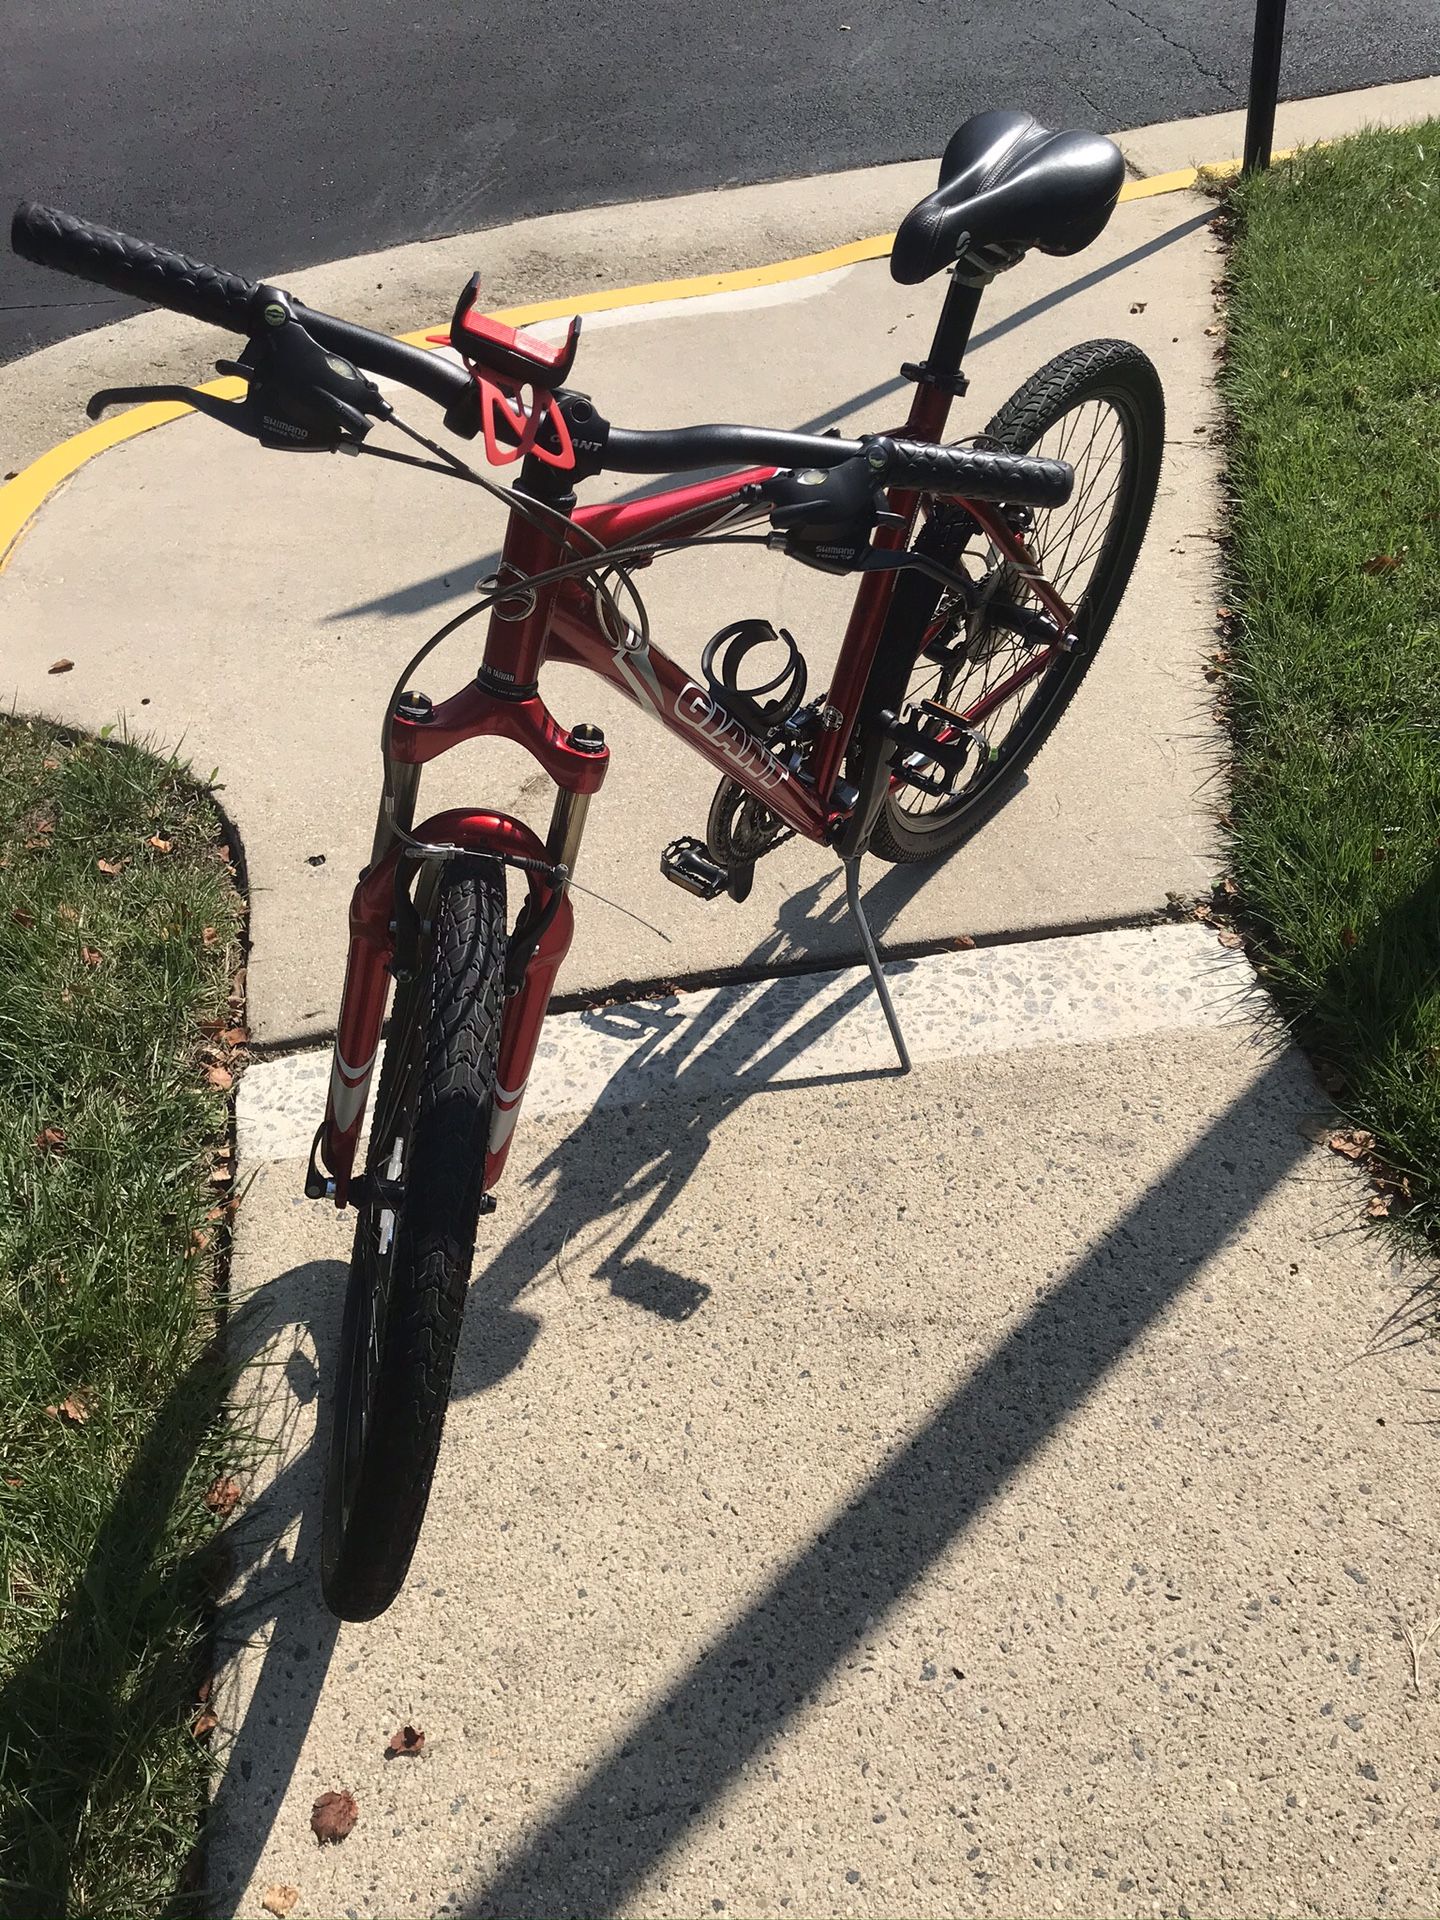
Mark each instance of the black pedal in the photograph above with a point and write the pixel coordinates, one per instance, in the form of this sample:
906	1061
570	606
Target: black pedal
687	862
918	750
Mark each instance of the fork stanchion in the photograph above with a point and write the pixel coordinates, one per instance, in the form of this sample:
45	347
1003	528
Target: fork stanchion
1264	82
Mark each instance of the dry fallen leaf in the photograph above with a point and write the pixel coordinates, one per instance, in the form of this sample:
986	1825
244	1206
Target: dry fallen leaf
279	1900
963	942
67	913
204	1723
74	1409
407	1740
22	916
50	1140
1229	938
1382	562
234	1036
111	867
207	936
1379	1206
160	846
333	1816
222	1496
220	1077
60	666
1353	1142
1348	937
91	956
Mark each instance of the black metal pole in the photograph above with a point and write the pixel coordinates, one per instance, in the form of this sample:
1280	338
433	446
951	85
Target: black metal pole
1264	82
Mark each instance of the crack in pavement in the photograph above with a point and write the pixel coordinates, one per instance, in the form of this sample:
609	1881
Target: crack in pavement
1210	73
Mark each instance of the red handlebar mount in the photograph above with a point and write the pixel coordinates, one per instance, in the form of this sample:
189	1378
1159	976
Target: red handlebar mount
507	352
503	362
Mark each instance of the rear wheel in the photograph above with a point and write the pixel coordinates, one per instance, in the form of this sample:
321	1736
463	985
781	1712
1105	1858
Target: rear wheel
1100	408
414	1242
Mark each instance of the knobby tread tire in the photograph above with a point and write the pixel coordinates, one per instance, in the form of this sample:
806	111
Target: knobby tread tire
1095	370
441	1072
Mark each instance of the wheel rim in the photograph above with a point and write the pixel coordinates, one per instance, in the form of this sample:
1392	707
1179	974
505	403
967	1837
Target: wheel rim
1069	545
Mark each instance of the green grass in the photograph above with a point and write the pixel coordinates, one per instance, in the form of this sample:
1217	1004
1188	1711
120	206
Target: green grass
106	1293
1333	685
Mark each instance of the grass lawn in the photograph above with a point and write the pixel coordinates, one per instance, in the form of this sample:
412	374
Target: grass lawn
1333	679
119	933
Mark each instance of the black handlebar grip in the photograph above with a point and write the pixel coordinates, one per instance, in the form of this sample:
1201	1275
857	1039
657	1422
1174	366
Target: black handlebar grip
135	267
974	473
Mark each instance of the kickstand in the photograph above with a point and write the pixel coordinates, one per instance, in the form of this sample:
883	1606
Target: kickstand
872	959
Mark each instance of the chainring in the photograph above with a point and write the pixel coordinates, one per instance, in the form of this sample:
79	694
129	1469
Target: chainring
740	828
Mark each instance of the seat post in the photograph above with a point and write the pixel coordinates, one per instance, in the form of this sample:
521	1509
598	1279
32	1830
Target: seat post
957	317
938	379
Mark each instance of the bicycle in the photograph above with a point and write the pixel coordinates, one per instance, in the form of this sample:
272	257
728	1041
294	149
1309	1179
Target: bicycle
980	606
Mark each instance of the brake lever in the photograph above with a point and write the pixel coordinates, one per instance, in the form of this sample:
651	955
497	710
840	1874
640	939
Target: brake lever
207	403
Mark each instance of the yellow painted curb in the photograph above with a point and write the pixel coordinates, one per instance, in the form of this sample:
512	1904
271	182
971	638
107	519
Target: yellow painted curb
804	267
22	498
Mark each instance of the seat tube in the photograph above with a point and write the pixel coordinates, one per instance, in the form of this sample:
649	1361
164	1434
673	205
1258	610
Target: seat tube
936	383
940	375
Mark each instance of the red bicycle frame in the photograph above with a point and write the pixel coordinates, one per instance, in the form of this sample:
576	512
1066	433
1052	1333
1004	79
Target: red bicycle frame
561	622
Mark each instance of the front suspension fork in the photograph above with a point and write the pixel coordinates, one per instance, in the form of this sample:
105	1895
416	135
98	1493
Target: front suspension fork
377	908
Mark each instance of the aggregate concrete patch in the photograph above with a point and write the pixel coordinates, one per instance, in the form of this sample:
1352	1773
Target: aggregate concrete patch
962	1494
258	610
1060	992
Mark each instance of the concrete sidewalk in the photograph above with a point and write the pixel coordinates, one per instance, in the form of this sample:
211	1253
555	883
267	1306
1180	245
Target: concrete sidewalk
969	1493
268	605
863	1496
257	609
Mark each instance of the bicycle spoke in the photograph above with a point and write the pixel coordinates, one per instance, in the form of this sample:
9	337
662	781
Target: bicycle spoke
1067	544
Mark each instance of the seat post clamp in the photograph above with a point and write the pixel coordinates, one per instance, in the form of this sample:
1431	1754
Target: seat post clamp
925	375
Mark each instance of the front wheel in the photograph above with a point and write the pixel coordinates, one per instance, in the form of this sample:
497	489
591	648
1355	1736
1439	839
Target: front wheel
1099	407
414	1241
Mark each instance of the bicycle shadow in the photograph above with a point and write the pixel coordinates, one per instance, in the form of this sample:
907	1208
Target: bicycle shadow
274	1594
76	1746
701	1060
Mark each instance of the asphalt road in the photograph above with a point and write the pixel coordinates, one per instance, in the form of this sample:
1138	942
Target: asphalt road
270	137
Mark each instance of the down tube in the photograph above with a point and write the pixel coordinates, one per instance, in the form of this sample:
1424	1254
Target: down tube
667	693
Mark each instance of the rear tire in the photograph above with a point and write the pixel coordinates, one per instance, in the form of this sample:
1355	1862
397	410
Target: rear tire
1046	416
414	1242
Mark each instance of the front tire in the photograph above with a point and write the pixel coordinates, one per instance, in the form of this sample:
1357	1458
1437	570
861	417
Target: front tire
1101	407
414	1242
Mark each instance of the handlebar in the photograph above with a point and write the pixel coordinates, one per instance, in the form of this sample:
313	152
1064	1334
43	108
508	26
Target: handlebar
68	244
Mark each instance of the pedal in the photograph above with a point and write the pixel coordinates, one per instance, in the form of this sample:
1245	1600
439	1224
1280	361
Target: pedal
916	751
687	862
